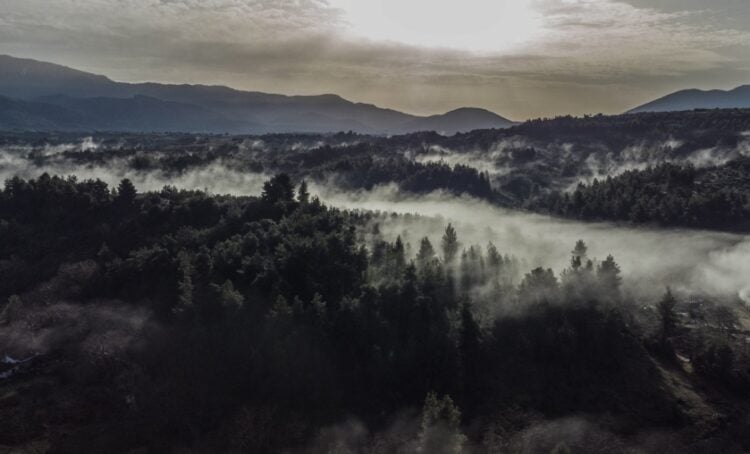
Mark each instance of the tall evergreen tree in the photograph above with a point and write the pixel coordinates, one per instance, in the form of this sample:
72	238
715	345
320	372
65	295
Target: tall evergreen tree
426	253
450	244
278	189
608	273
440	429
126	193
667	315
578	254
303	195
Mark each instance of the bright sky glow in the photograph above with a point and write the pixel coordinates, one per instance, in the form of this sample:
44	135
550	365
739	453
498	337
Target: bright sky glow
519	58
476	25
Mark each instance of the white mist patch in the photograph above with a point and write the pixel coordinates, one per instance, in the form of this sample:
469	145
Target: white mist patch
633	157
480	160
642	156
255	145
88	144
215	179
690	260
726	264
601	167
7	359
709	157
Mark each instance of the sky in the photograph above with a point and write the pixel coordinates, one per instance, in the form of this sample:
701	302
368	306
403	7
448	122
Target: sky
520	58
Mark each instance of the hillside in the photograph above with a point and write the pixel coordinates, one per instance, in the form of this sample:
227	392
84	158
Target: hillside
180	321
739	98
201	108
534	165
138	113
464	119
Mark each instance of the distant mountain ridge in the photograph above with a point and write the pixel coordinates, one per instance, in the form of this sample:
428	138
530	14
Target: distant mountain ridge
78	100
738	98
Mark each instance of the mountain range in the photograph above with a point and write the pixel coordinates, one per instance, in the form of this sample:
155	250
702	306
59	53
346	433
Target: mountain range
739	98
37	95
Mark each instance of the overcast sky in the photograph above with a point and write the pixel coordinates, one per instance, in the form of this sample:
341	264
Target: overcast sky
519	58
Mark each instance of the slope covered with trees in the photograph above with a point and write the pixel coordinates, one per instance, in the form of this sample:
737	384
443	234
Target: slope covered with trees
668	194
679	169
182	320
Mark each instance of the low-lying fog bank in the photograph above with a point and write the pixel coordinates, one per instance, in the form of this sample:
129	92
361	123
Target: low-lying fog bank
707	262
689	260
216	179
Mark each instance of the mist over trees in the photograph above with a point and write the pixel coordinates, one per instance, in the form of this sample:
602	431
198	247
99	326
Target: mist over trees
143	307
686	169
176	318
669	194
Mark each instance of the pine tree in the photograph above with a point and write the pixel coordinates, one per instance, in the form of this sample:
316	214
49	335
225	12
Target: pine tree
126	193
398	256
229	298
538	286
609	275
667	315
278	189
440	429
450	244
578	254
303	196
426	252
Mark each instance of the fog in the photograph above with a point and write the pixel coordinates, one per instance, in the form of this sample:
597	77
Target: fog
216	179
691	261
644	155
591	160
694	261
483	161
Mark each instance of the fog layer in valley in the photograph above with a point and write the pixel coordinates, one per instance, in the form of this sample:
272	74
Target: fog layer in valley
216	179
690	260
712	263
599	161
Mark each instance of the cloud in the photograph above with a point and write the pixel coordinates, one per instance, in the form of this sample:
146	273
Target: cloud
583	55
613	37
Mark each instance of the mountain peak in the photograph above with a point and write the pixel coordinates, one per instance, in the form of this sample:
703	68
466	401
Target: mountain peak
463	119
693	98
99	98
474	111
468	110
35	69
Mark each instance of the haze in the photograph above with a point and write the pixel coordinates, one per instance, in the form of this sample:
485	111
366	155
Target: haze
520	58
693	261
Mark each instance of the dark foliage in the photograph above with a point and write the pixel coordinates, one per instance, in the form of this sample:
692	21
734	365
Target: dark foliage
536	165
267	319
668	194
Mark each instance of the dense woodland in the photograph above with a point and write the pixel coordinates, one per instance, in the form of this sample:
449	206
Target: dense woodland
685	169
179	319
668	194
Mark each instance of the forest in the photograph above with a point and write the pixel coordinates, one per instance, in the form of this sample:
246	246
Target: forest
183	320
374	227
668	194
679	169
